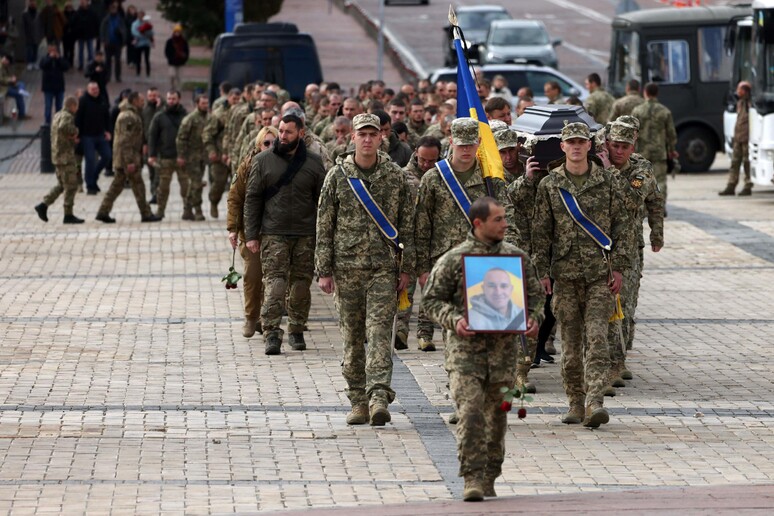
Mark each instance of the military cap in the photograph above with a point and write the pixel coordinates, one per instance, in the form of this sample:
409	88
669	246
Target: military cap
505	138
497	125
366	120
620	132
576	130
629	120
464	131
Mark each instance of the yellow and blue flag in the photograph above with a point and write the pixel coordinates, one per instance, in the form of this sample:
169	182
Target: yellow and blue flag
468	104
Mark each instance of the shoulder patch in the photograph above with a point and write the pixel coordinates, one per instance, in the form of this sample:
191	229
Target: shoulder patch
637	181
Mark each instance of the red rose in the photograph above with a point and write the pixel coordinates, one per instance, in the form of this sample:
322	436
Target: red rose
522	413
505	406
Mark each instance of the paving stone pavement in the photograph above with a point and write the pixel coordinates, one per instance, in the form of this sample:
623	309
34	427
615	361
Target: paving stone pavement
126	386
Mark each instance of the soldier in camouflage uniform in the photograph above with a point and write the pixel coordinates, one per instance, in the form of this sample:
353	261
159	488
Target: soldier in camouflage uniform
342	129
657	138
740	156
191	155
641	196
585	285
424	158
355	260
236	117
282	211
416	122
162	153
212	136
153	105
127	160
508	145
599	102
479	364
439	222
64	137
626	104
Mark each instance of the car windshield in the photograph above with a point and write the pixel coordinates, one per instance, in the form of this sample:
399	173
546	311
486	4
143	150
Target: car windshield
479	20
522	36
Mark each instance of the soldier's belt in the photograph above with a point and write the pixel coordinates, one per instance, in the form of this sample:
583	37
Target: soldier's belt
584	222
458	192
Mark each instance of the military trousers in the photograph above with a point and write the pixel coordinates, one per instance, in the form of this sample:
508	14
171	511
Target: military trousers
288	269
166	169
219	172
739	158
660	173
618	330
194	171
67	181
366	301
583	310
117	186
252	278
482	424
425	328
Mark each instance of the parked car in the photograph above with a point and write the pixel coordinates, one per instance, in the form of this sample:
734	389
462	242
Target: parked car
519	41
474	21
520	75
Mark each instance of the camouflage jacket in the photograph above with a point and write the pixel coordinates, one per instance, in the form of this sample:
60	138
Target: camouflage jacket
212	136
439	222
236	195
247	144
128	138
236	116
521	199
248	124
657	134
492	356
560	248
322	124
435	130
415	133
63	133
190	144
347	237
742	126
337	150
314	144
598	104
413	176
641	196
625	105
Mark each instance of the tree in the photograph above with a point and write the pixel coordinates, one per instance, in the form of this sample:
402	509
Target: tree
206	18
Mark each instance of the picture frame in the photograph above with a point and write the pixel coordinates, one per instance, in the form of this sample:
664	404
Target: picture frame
495	293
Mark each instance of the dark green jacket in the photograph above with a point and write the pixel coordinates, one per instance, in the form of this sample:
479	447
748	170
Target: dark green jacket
162	133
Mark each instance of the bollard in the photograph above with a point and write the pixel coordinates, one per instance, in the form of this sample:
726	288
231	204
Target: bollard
46	166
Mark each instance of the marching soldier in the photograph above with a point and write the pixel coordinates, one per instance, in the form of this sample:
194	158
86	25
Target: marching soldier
626	104
191	154
212	136
740	156
600	102
162	152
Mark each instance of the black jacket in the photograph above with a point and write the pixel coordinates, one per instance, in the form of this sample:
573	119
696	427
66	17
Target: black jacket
53	68
92	117
293	210
163	132
172	58
86	24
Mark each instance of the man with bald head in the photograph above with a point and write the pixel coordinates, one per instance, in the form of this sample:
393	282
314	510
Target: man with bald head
494	309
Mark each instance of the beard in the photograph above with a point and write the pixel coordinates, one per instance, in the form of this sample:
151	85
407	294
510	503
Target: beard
285	148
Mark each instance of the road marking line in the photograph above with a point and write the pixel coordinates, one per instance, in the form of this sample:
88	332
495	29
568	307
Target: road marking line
587	53
585	11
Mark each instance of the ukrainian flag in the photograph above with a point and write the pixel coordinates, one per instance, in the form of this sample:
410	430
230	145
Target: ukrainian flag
468	104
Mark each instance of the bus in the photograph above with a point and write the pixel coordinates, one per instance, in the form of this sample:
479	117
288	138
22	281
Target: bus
681	49
762	106
739	47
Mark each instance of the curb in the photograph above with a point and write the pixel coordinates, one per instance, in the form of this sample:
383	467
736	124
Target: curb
410	68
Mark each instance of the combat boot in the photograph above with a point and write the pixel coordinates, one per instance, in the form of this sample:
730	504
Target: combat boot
624	373
188	214
358	415
72	219
379	415
248	329
489	490
454	418
213	210
273	345
400	341
296	341
522	380
730	190
426	344
614	378
474	488
106	218
42	210
747	190
198	215
550	348
609	391
575	415
596	415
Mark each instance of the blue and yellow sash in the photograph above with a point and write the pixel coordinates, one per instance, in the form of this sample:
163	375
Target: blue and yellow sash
374	210
584	222
457	190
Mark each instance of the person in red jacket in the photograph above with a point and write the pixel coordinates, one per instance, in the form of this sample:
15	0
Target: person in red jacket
177	52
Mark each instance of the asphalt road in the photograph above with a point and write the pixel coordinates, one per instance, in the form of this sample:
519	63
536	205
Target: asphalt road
583	26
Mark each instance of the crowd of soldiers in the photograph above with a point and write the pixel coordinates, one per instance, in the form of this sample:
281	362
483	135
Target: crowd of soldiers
359	191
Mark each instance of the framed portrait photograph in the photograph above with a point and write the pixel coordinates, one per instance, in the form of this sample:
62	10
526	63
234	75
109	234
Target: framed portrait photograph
495	294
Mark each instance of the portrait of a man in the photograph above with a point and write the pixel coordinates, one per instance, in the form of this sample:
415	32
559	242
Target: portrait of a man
494	301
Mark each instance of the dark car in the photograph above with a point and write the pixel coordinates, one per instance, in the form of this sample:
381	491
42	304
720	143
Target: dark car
474	21
271	52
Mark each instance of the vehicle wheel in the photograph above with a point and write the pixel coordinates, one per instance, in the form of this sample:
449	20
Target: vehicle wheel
697	148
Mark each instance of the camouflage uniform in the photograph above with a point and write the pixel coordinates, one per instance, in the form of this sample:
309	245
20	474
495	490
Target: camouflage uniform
625	105
316	145
362	262
415	132
162	145
657	138
247	144
252	275
439	222
598	104
506	138
478	367
231	144
63	133
127	150
285	223
640	195
148	112
582	300
212	136
740	155
190	146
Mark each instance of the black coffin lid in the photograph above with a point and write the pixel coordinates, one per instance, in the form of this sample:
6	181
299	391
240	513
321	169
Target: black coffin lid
549	120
